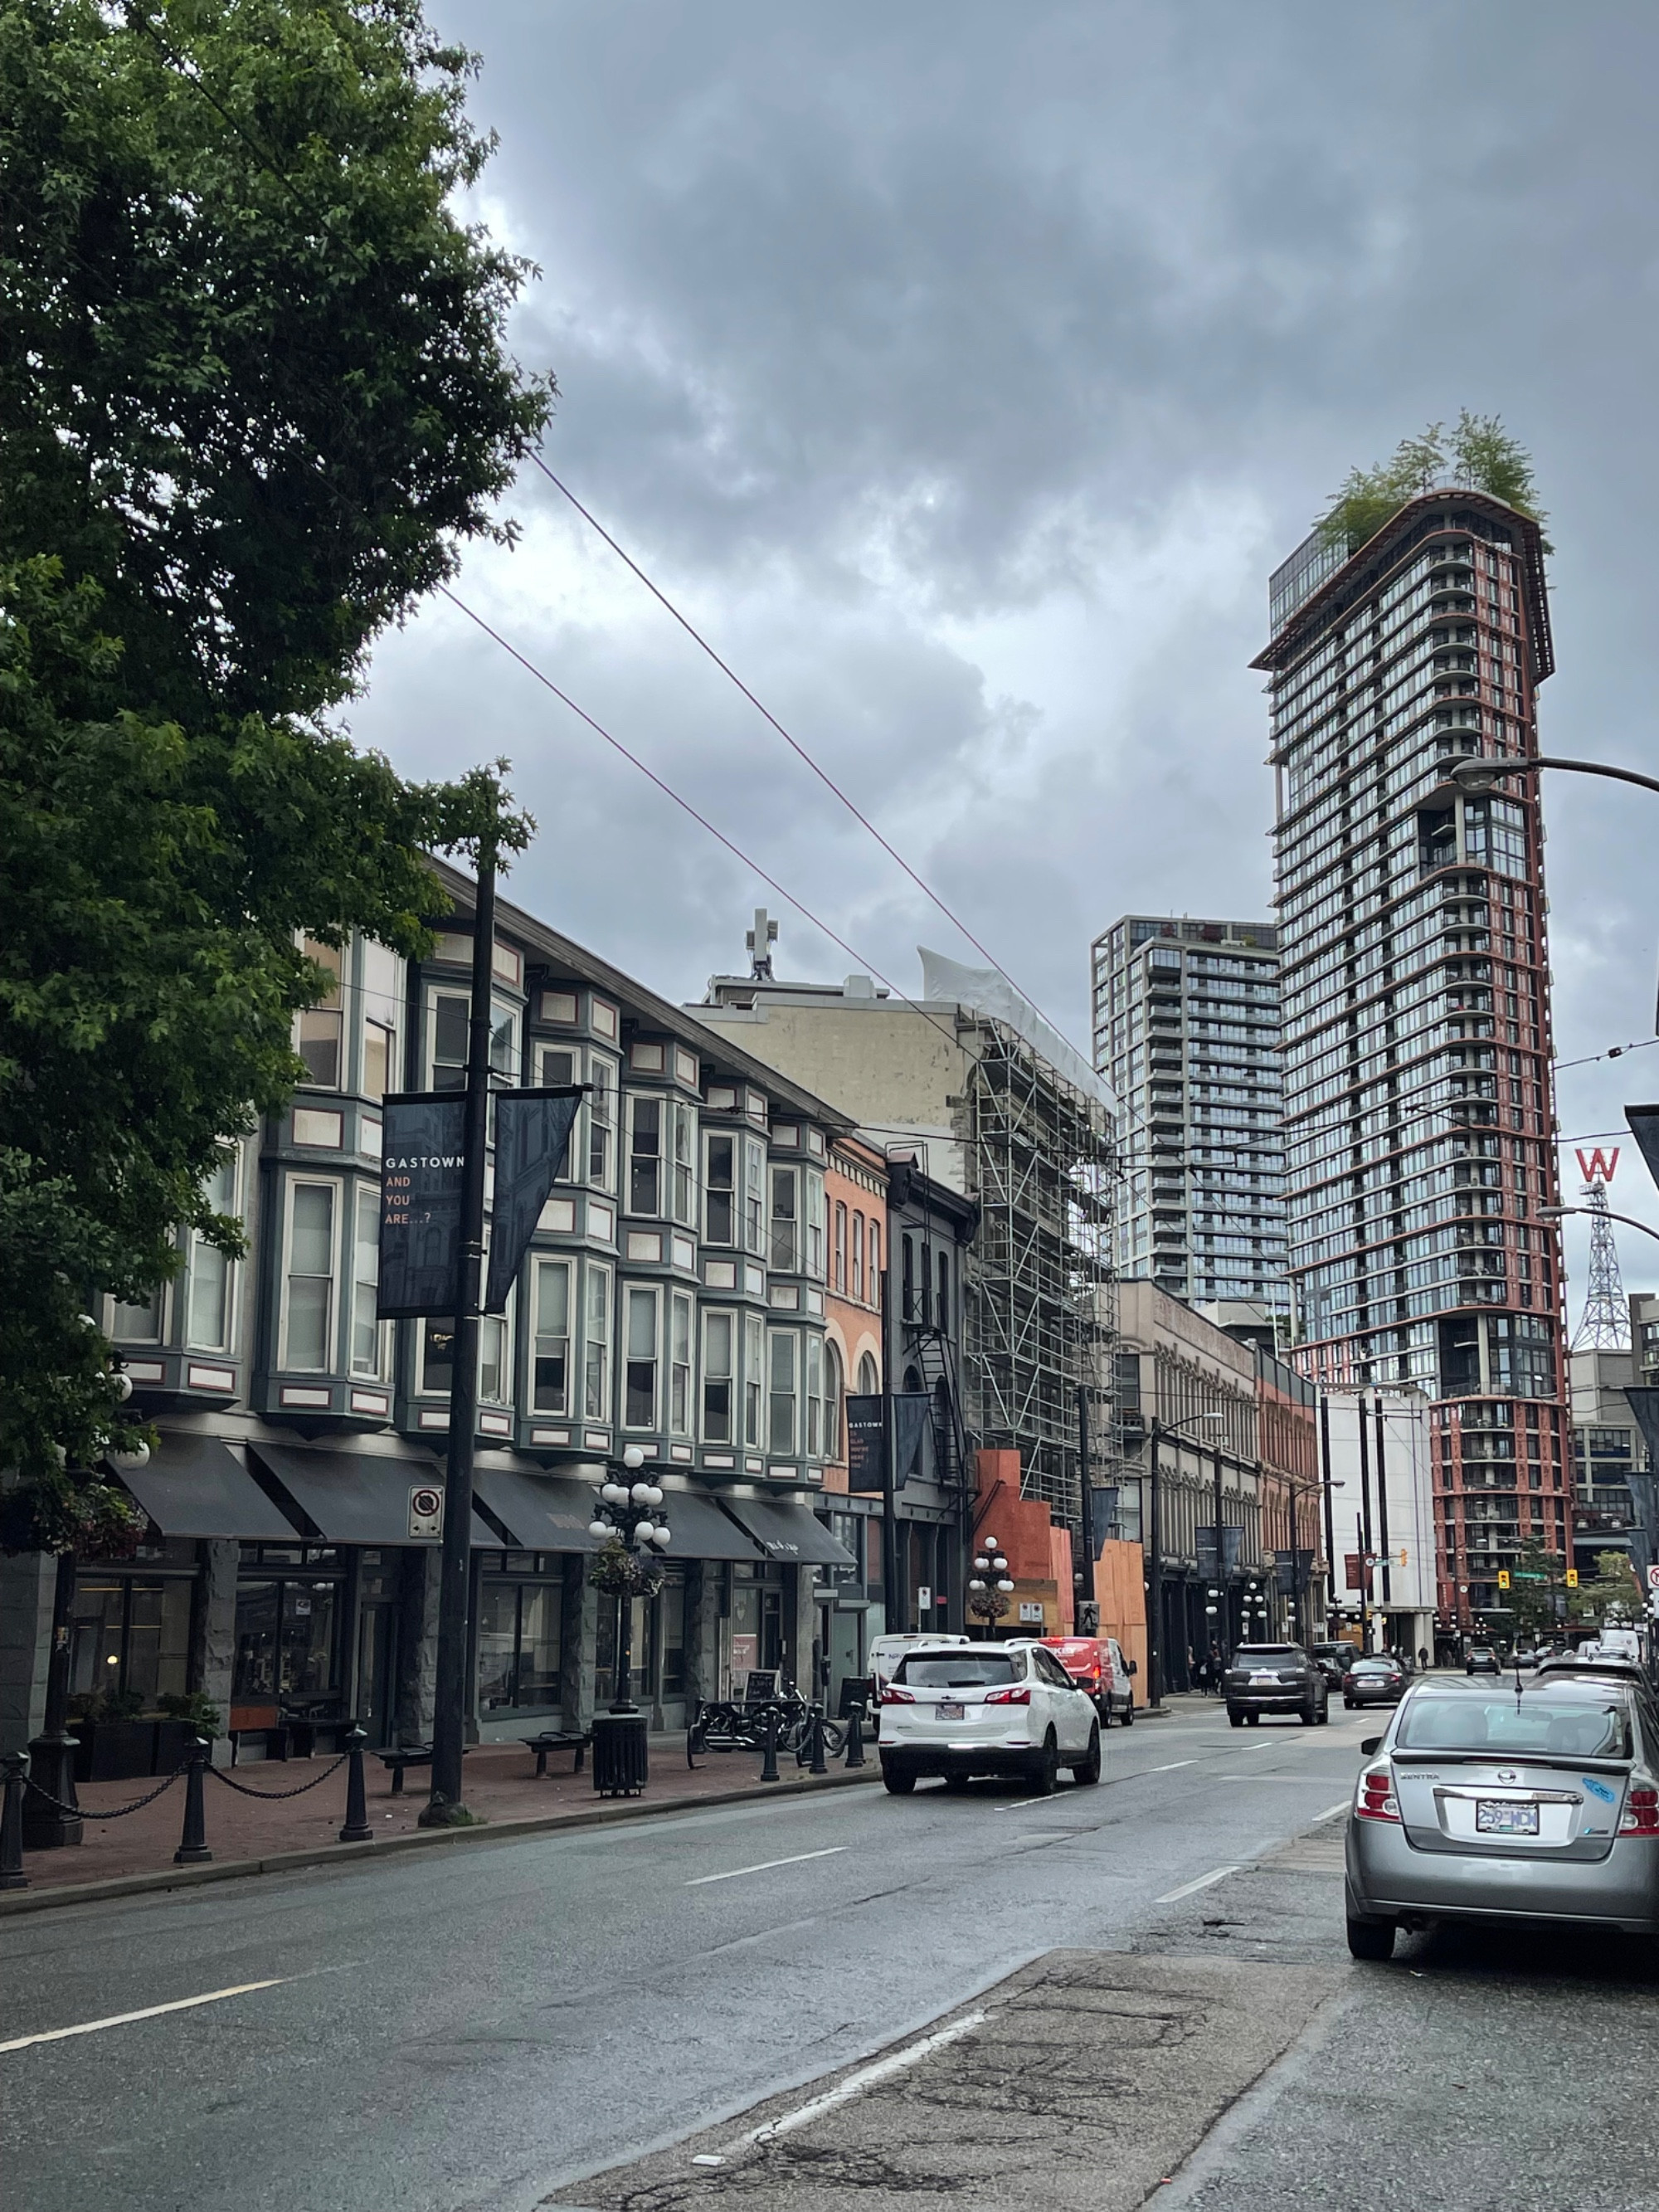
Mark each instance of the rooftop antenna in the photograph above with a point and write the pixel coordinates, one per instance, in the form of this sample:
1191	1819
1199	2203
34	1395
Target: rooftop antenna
760	940
1604	1325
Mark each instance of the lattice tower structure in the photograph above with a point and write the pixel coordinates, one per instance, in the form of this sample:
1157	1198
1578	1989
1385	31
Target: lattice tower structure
1040	1314
1419	1129
1604	1325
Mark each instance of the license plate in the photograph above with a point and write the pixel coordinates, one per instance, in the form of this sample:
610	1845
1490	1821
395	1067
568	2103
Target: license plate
951	1708
1271	1679
1497	1817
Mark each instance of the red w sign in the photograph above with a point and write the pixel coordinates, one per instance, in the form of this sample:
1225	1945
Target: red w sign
1598	1166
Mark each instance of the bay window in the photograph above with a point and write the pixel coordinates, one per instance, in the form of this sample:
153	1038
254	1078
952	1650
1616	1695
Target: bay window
437	1354
679	1365
366	1331
683	1162
494	1358
814	1348
319	1028
308	1306
645	1155
596	1346
754	1195
785	1224
782	1386
719	1191
382	996
207	1302
754	1377
550	1357
815	1226
719	1376
446	1026
557	1068
640	1356
601	1119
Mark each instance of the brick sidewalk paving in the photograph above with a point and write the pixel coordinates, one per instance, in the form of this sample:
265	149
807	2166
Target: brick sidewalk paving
501	1788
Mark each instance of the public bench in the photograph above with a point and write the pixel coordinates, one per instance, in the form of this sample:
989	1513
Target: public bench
571	1740
396	1756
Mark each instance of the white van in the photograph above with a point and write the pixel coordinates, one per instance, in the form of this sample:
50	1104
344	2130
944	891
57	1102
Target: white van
886	1652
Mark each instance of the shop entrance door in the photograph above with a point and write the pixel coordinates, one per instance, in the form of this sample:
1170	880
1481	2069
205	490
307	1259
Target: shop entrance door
377	1672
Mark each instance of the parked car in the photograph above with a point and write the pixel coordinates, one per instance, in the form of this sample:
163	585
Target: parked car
1097	1665
1373	1682
886	1652
1334	1661
1274	1678
959	1710
1484	1801
1482	1660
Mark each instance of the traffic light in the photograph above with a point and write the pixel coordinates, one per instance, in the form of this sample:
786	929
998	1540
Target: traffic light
1572	1577
1502	1578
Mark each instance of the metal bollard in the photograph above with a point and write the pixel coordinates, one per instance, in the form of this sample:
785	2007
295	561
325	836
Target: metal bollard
192	1845
816	1763
855	1736
15	1766
769	1764
357	1829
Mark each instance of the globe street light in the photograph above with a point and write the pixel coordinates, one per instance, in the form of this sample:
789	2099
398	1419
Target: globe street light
989	1585
632	1536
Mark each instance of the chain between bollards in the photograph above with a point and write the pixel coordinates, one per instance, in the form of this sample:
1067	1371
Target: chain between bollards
769	1764
855	1736
192	1845
15	1767
357	1829
816	1762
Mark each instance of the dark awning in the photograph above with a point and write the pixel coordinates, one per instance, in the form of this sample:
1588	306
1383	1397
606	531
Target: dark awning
789	1532
544	1512
355	1497
699	1530
197	1485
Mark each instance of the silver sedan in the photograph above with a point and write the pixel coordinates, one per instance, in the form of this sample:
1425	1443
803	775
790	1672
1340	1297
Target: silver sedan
1490	1799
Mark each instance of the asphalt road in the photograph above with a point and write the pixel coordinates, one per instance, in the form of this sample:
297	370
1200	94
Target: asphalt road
475	2027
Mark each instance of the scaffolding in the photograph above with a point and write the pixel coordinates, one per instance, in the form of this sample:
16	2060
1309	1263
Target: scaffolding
1040	1314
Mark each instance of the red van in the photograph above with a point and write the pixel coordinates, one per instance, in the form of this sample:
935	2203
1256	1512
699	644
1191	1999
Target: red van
1098	1663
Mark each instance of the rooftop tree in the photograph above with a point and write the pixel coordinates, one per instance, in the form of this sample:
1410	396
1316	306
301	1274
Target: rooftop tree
255	397
1477	452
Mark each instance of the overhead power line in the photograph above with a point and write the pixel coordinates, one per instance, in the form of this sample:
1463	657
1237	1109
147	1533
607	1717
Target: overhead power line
795	745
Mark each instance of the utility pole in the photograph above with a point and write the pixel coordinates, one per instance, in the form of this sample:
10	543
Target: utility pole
1383	1509
1223	1620
1086	1497
1330	1510
1364	1523
896	1612
446	1808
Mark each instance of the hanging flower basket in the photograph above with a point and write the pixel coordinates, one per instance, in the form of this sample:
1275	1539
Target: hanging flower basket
620	1571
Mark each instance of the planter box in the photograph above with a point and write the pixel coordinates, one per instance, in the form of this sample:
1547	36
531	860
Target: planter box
124	1751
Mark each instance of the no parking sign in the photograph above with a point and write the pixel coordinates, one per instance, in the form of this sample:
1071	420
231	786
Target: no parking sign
426	1511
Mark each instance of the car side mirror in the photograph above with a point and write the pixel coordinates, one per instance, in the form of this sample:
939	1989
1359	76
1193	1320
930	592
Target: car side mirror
1369	1745
1130	1666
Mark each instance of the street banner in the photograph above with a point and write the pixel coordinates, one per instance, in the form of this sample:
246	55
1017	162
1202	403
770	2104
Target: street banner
532	1128
866	1453
423	1155
864	1443
1643	1122
1232	1541
1290	1571
1644	1401
1355	1572
1103	1510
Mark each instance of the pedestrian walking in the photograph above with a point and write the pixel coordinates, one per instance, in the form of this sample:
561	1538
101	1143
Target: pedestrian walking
1423	1658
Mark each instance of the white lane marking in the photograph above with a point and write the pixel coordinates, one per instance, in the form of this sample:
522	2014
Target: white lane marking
1204	1881
148	2012
1331	1811
1018	1803
766	1865
867	2078
1172	1765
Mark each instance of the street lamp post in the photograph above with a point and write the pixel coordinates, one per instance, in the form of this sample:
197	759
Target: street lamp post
1156	1435
633	1534
989	1585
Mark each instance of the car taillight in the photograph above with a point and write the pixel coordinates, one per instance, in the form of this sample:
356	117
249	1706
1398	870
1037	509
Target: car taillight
892	1695
1641	1813
1374	1800
1019	1697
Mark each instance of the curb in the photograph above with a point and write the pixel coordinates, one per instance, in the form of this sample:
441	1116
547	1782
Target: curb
361	1855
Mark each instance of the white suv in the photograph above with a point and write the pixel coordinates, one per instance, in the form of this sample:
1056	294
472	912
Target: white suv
962	1710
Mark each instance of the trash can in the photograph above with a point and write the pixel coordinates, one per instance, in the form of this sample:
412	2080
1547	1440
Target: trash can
621	1759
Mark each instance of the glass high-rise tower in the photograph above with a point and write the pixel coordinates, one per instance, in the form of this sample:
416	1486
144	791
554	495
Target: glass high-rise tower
1418	1128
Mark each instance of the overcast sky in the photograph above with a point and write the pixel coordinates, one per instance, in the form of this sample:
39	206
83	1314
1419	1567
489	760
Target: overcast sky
963	370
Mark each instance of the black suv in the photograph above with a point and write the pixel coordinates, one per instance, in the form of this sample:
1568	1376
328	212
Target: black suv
1274	1678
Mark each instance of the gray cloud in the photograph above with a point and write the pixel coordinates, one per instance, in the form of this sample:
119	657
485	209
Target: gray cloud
965	369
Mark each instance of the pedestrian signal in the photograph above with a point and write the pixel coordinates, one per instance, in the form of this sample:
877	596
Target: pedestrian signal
1502	1578
1572	1577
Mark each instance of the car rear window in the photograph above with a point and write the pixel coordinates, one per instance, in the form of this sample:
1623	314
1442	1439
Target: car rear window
969	1670
1373	1666
1266	1651
1580	1728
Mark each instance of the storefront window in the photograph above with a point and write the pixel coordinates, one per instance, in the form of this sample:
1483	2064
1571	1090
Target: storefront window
519	1627
129	1638
287	1629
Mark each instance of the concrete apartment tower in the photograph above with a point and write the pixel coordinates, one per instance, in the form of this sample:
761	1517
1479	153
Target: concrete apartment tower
1187	1032
1418	1128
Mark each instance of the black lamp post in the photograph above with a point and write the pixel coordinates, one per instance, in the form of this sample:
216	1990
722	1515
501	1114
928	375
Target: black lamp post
989	1585
630	1526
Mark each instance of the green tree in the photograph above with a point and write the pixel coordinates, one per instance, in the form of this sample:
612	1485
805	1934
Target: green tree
1535	1578
1612	1593
1479	452
254	397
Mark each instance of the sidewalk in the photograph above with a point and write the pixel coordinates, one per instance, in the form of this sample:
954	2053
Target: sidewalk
501	1790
